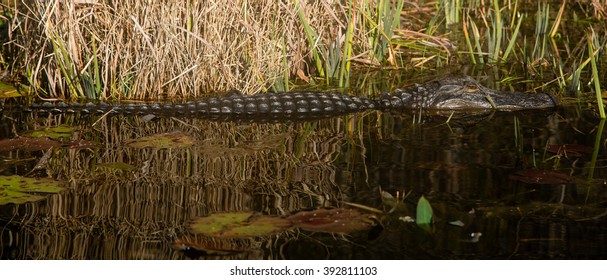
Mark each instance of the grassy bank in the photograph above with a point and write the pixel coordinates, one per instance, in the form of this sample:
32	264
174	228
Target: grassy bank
130	50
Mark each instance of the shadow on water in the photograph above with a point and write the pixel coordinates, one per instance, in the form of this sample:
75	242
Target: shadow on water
465	169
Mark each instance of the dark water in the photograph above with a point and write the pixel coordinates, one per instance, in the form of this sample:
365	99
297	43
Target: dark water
463	168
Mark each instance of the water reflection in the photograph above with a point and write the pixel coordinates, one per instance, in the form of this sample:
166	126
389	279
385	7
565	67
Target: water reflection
462	166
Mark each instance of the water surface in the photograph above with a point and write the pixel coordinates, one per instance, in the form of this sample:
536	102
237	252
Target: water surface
463	167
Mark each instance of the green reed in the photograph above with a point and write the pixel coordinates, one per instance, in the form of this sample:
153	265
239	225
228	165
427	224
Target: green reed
313	39
344	73
67	68
541	27
383	22
497	51
452	10
595	73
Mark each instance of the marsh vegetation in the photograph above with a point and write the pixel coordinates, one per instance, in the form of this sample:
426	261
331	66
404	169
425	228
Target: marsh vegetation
134	50
495	185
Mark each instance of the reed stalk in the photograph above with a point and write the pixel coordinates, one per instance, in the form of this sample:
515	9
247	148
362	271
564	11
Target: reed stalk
595	74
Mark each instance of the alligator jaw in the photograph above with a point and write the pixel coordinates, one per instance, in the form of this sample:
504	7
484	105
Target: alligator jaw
463	93
498	101
518	100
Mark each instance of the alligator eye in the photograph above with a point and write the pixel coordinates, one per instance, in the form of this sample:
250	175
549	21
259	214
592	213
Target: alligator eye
470	88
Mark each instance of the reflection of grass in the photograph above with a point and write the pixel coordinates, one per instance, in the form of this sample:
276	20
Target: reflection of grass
126	49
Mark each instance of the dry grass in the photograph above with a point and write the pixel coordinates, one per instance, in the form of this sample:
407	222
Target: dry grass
135	50
147	50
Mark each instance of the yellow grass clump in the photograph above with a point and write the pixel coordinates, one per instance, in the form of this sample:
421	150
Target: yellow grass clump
153	49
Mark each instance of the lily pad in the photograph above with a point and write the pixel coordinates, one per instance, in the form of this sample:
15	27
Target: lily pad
209	245
27	144
8	91
163	141
336	220
18	190
541	177
239	225
58	132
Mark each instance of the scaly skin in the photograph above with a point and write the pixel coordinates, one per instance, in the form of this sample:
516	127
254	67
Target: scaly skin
451	93
462	93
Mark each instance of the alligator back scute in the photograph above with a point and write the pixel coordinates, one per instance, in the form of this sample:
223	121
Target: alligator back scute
443	94
306	102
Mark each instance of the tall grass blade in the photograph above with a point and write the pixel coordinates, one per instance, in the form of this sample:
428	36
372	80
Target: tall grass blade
344	73
452	10
598	140
557	21
541	25
66	67
312	39
477	42
513	39
97	86
387	19
468	43
595	75
497	28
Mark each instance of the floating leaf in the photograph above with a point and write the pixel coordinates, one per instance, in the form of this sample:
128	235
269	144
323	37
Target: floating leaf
174	140
337	220
209	245
28	144
569	150
58	132
7	91
424	212
541	177
238	225
17	189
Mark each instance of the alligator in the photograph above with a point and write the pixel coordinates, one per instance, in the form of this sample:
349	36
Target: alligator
450	93
462	93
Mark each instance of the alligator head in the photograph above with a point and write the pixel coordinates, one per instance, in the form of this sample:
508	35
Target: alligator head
462	93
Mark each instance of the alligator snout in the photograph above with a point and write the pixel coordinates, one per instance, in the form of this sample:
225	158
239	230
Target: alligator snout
463	93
